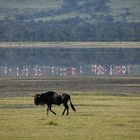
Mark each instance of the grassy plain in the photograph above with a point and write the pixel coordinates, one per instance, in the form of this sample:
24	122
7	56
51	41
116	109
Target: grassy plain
99	115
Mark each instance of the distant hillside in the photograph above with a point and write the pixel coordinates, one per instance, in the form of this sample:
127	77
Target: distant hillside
90	10
69	20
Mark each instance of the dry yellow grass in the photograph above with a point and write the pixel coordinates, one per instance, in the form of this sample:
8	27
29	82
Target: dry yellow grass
97	118
99	115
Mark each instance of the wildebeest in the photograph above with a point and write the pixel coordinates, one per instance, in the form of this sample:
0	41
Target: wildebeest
51	97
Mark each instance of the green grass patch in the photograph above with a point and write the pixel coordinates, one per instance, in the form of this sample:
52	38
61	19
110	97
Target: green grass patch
51	123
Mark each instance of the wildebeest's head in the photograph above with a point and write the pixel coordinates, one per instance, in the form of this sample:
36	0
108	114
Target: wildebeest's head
36	99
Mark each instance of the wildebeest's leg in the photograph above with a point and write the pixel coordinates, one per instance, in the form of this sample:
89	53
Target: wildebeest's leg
66	107
67	110
47	110
51	110
64	111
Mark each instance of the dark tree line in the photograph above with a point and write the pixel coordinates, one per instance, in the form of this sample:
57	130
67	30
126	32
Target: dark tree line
69	30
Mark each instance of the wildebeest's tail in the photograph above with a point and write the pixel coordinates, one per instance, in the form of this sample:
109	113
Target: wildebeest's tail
72	106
